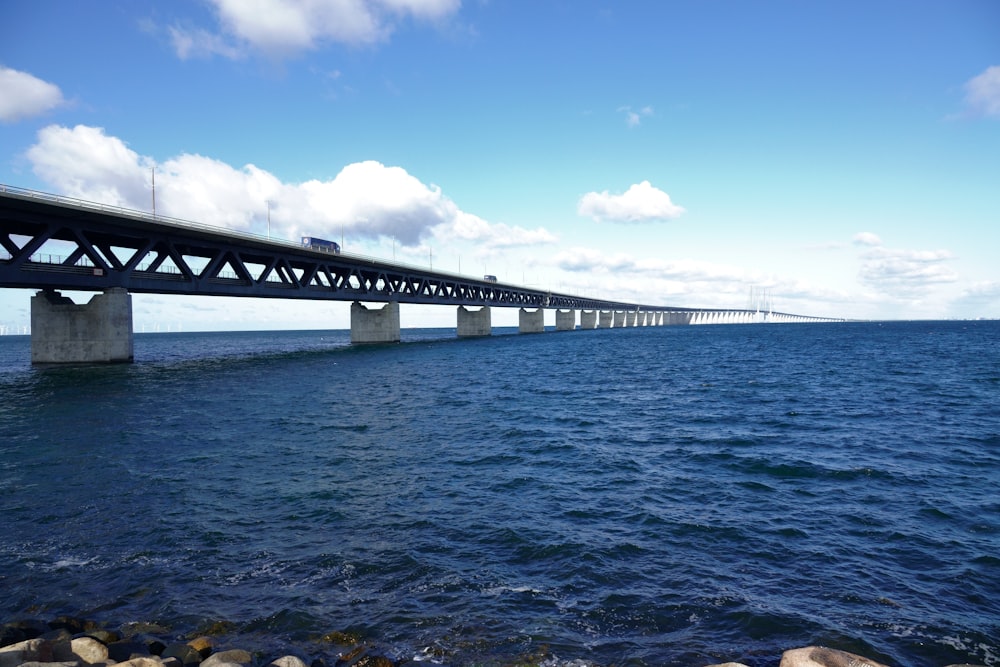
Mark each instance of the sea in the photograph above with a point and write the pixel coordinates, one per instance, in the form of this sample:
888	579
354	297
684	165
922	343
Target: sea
675	495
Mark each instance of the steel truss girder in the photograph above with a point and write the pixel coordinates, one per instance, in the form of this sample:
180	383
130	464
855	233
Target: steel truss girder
147	255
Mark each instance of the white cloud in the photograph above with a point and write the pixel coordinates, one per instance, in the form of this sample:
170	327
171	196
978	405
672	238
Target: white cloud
634	118
199	43
980	296
982	93
589	260
84	162
867	238
497	235
640	203
284	27
367	199
23	95
905	274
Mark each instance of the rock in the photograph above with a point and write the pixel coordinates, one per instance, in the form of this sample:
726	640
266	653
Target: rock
141	662
171	662
231	657
154	645
288	661
130	630
203	645
30	628
104	636
30	650
11	634
374	661
73	663
183	652
122	651
728	664
820	656
72	625
62	646
89	650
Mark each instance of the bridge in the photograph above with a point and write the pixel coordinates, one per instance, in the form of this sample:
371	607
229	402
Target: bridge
51	243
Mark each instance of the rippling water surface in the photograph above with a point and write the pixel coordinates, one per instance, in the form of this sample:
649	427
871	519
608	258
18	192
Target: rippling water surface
650	496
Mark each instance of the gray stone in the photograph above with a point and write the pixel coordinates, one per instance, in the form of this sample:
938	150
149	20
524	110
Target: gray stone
288	661
30	650
820	656
233	656
127	650
141	662
183	652
89	650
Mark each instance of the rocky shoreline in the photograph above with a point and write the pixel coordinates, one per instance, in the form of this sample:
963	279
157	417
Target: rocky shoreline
72	642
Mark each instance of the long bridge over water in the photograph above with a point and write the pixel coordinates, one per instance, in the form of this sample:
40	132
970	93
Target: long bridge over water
51	243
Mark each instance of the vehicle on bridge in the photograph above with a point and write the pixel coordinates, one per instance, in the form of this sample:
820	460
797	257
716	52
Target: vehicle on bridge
321	244
490	278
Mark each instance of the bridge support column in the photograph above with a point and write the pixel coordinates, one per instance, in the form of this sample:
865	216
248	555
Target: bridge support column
531	321
588	319
375	326
630	318
472	323
565	320
99	331
605	318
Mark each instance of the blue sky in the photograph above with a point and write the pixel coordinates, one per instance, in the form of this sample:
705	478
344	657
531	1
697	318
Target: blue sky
844	156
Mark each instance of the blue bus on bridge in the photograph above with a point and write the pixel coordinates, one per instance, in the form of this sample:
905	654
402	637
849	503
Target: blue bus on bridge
321	244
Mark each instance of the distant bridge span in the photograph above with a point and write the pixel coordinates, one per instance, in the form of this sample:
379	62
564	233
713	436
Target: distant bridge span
50	243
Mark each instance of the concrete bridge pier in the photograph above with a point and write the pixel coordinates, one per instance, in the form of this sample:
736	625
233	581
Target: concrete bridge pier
473	323
565	320
375	326
605	318
619	318
588	319
99	331
630	318
531	321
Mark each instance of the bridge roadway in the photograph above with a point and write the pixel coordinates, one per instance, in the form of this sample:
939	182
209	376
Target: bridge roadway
51	243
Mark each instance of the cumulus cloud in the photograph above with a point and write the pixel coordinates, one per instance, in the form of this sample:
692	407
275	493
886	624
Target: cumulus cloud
367	199
640	203
284	27
23	95
982	93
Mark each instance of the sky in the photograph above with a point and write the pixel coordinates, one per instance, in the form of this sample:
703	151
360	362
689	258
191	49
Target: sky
840	156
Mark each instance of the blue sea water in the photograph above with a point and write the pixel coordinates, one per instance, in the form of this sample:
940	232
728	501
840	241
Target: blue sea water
647	496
